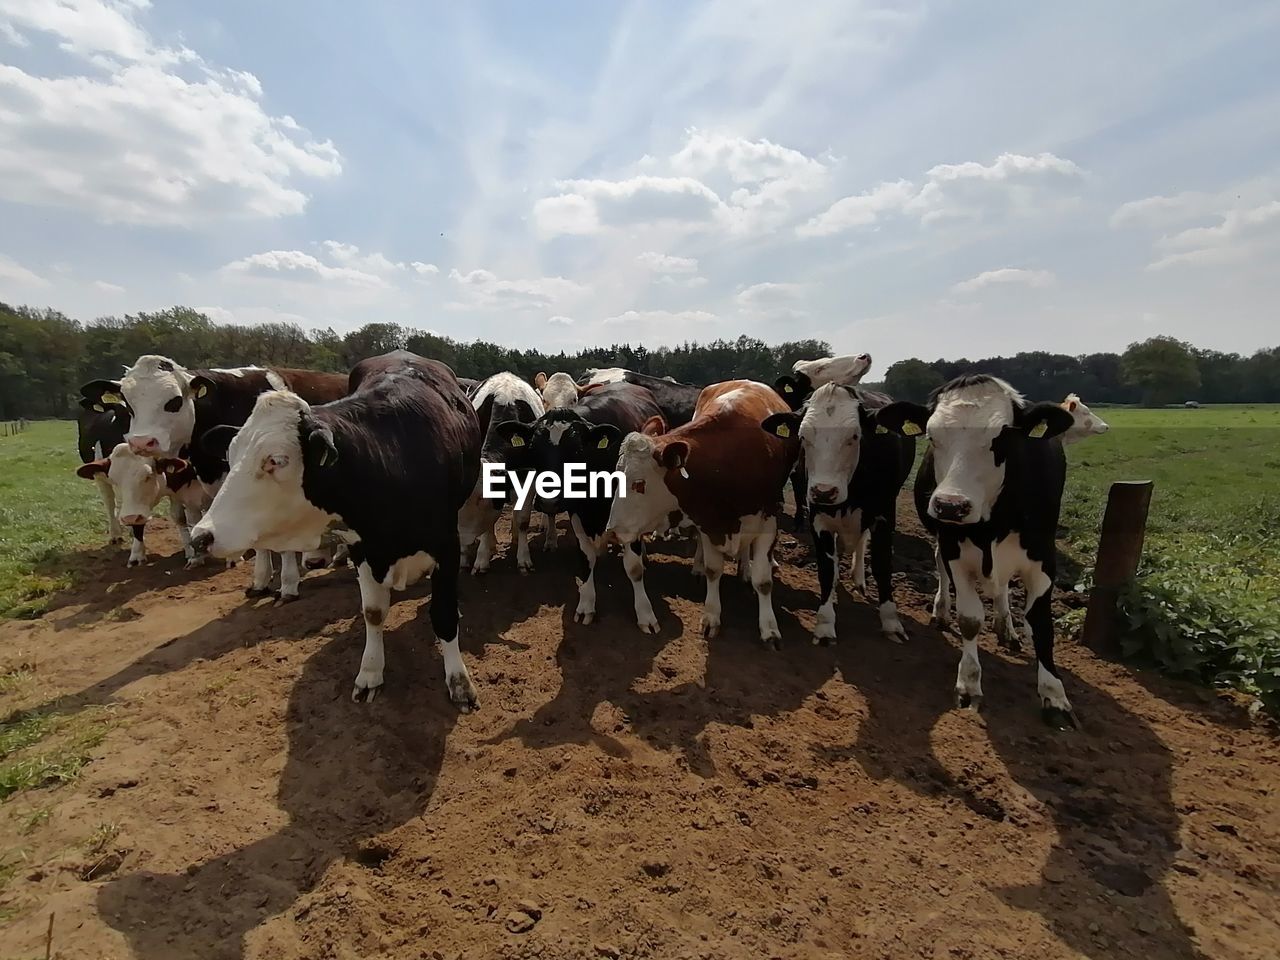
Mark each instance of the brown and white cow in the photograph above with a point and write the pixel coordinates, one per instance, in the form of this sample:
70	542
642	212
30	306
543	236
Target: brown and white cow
98	432
726	475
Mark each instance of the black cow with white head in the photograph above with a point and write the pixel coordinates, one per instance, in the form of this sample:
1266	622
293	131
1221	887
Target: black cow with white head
990	489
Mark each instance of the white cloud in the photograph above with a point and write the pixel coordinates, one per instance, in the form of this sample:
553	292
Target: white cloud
1005	276
590	206
13	272
483	288
763	295
10	34
131	131
349	255
670	317
299	266
561	321
665	263
424	269
250	315
105	287
860	210
1238	234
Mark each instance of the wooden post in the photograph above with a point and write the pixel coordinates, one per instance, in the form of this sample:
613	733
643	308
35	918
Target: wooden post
1124	528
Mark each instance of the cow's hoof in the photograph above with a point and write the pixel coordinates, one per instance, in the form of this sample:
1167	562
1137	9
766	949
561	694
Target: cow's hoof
231	564
584	617
824	640
773	642
462	692
368	683
710	627
525	568
194	563
116	541
895	632
134	563
257	593
938	622
1059	718
285	597
479	571
647	626
968	701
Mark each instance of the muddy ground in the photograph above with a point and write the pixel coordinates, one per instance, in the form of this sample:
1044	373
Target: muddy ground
617	794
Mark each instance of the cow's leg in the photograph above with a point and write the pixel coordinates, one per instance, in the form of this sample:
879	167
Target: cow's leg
586	611
485	548
860	562
713	561
824	545
316	559
699	562
762	581
744	559
262	573
1006	629
800	493
289	577
882	570
444	621
633	563
115	532
524	560
375	601
137	551
941	612
192	515
178	514
552	535
969	673
1055	707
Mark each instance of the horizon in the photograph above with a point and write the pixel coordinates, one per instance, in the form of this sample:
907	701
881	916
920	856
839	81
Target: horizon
876	175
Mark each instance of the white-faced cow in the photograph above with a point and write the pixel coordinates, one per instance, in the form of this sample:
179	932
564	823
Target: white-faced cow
100	430
557	390
1087	423
586	436
990	489
726	475
394	462
500	398
854	475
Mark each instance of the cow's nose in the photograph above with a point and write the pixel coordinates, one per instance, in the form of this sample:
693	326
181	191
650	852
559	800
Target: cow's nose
143	445
950	507
202	541
865	356
133	520
823	493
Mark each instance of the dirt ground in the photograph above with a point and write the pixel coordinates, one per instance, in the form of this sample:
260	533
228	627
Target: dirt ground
617	795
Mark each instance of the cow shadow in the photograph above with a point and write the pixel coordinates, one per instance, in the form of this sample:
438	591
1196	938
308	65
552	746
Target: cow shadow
1107	791
345	781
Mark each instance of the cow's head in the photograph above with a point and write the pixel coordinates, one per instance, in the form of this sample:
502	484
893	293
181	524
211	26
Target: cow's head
830	429
557	438
1087	423
158	396
139	482
558	391
807	375
261	503
793	389
647	501
976	425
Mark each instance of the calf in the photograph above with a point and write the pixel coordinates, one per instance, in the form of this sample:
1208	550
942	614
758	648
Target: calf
501	398
726	475
854	476
990	489
587	434
139	483
394	461
99	431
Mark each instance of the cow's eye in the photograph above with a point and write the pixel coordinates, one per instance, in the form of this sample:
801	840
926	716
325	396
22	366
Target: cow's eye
174	405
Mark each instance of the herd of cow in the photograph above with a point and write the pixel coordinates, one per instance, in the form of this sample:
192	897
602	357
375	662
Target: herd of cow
384	467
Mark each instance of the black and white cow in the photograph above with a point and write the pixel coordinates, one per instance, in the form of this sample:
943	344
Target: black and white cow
498	399
99	430
394	462
587	434
854	475
990	489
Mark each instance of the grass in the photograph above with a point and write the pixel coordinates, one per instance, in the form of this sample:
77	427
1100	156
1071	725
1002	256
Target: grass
46	511
44	747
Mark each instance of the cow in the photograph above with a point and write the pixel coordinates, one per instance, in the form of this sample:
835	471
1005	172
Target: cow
1086	422
394	461
990	490
587	434
500	398
172	410
854	476
138	483
557	391
726	475
99	431
469	385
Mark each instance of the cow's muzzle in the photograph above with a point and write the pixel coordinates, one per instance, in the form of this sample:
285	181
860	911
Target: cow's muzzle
951	509
201	542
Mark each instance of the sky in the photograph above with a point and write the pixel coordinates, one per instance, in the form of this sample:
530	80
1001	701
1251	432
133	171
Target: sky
924	178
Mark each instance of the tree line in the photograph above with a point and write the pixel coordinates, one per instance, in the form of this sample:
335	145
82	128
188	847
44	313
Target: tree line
45	356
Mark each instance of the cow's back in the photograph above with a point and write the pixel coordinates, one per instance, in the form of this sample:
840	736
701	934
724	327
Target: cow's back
623	405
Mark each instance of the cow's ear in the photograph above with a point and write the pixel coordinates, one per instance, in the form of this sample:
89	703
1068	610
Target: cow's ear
790	390
484	413
604	436
172	465
539	381
215	441
903	418
201	387
93	468
784	425
1041	421
1071	406
320	446
102	394
674	455
514	432
655	426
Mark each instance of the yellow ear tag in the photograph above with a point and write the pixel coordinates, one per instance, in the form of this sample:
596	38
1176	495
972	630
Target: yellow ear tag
911	429
201	391
100	408
603	444
517	440
1039	430
881	428
783	430
112	398
788	389
170	469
